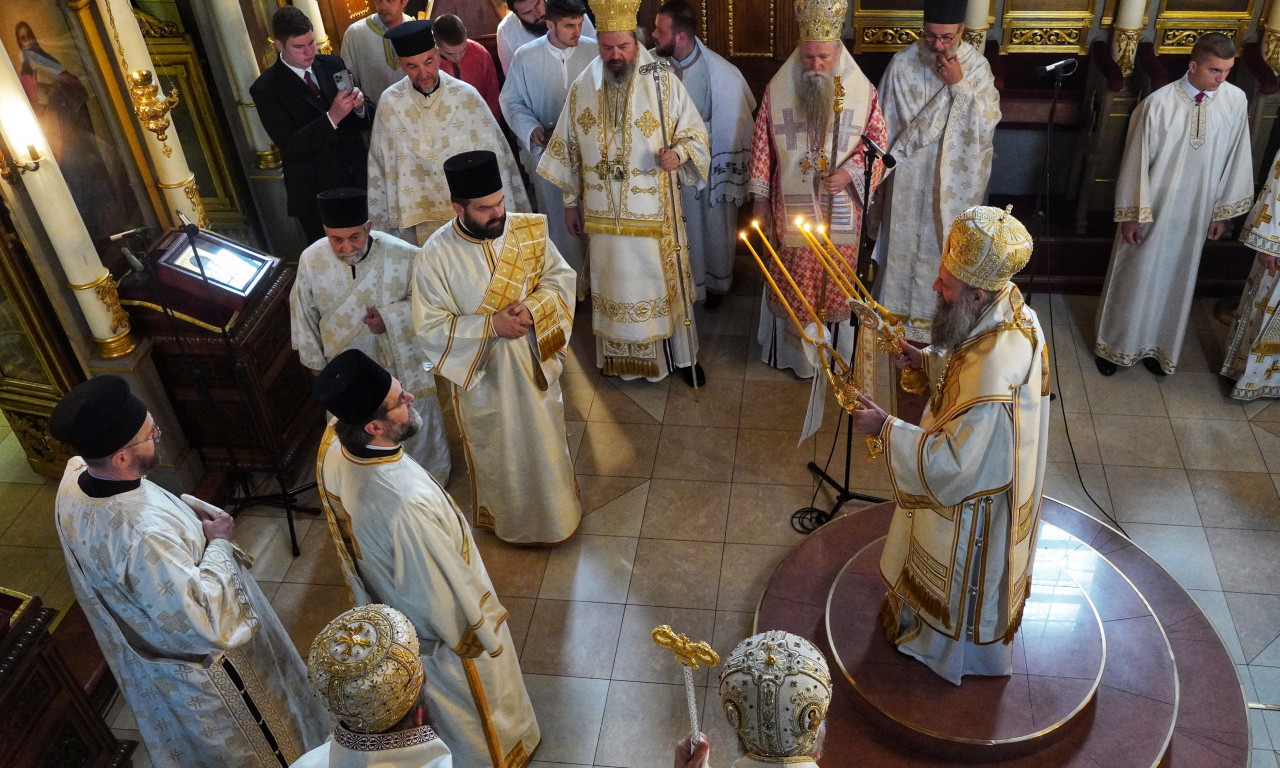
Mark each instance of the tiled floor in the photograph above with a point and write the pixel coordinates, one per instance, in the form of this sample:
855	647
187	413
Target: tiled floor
687	504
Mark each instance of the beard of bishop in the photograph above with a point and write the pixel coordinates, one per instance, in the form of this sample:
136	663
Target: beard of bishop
616	88
815	96
954	321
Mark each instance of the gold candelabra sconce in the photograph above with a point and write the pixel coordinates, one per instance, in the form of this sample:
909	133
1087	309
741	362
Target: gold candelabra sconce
12	166
150	104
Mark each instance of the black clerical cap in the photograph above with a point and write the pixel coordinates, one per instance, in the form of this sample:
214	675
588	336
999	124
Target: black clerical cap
412	38
945	11
343	208
98	417
352	387
472	175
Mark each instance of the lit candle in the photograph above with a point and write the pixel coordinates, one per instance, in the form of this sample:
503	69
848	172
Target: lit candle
838	257
825	260
776	290
777	260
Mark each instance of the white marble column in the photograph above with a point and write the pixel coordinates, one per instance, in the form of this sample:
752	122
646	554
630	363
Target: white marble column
1271	37
312	9
1124	36
242	65
94	289
975	22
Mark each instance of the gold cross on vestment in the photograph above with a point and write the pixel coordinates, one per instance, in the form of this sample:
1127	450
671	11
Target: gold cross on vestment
1276	174
1274	369
1263	217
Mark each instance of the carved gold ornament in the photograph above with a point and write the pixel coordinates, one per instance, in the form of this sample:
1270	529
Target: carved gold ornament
149	104
687	652
1124	49
889	36
976	37
1271	48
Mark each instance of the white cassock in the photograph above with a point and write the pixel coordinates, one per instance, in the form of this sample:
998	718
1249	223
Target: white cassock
413	748
413	134
1253	345
511	36
506	392
941	136
957	559
537	84
1185	165
189	636
327	304
642	291
370	57
403	542
724	101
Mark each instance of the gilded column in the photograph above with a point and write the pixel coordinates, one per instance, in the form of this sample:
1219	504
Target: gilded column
1124	37
242	63
176	181
975	22
94	289
312	9
1271	37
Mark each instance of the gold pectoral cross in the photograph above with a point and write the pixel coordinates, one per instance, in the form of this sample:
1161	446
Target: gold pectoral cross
614	171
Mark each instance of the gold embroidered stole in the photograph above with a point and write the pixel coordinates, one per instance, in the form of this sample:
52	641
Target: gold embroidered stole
515	278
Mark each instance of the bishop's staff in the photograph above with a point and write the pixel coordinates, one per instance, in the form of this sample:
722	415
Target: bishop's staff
690	655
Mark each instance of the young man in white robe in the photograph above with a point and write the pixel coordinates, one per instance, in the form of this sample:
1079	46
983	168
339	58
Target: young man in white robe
532	98
402	541
369	54
642	290
525	23
957	559
353	291
422	120
792	176
1187	169
725	103
941	108
365	666
1253	345
200	656
493	307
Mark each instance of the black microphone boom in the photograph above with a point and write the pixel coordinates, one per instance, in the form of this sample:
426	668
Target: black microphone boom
1058	67
876	149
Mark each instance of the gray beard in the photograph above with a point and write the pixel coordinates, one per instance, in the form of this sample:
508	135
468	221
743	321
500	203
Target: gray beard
815	97
623	78
401	432
953	322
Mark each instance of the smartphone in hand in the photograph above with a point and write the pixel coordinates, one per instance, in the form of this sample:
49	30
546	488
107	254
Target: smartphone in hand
342	79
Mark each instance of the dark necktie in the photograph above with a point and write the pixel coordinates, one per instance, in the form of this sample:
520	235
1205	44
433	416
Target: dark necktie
315	89
1200	97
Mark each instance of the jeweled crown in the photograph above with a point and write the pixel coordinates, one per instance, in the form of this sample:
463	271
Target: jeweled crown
615	15
821	20
986	247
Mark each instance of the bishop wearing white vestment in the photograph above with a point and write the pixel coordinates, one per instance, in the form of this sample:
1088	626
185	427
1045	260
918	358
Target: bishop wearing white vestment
1187	168
941	109
493	306
1253	345
352	292
968	480
537	84
403	542
422	120
369	54
195	646
613	164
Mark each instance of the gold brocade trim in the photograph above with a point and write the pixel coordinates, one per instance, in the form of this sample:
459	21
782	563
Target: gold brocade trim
518	757
482	708
631	312
599	225
551	343
484	519
923	600
1232	210
1133	213
630	366
1019	594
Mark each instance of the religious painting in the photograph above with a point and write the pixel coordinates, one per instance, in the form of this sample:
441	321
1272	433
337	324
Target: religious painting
55	79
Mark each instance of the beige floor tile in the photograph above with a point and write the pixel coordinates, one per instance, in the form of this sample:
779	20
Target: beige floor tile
34	526
865	476
1183	550
1257	621
30	570
269	588
772	456
634	716
735	317
1072	438
59	594
1131	392
676	574
569	711
1263	409
756	370
686	509
1136	441
779	405
574	430
621	401
1213	444
761	514
623	450
732	627
304	609
1246	560
745	572
717	404
1267	436
621	515
579	390
13	463
13	497
267	540
572	638
1236	500
1152	495
515	571
1200	395
1062	482
723	358
318	563
640	659
696	453
592	568
598	490
1068	382
519	614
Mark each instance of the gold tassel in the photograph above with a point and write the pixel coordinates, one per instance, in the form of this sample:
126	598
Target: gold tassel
1015	621
630	366
551	343
924	600
889	617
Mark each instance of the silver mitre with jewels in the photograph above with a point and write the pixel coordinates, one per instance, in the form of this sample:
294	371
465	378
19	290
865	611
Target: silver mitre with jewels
775	689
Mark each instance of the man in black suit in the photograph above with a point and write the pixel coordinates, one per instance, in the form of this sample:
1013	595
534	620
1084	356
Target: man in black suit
316	126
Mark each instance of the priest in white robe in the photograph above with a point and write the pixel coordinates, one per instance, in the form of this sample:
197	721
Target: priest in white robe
402	541
200	656
968	480
493	307
422	120
642	290
353	291
365	667
1187	169
724	102
793	177
1253	345
532	98
941	108
369	54
525	23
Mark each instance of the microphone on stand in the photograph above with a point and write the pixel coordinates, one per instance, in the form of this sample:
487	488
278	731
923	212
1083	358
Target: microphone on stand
876	149
1057	67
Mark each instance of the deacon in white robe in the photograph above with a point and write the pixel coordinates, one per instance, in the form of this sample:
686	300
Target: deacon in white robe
642	291
197	650
1187	168
789	158
473	279
422	120
941	108
968	480
537	84
360	299
403	542
1253	345
367	52
525	23
724	102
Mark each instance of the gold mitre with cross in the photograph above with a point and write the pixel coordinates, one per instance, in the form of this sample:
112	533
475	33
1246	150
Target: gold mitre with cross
986	247
821	20
616	15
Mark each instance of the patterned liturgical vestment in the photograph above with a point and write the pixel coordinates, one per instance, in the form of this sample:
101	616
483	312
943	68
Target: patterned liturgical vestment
1253	346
